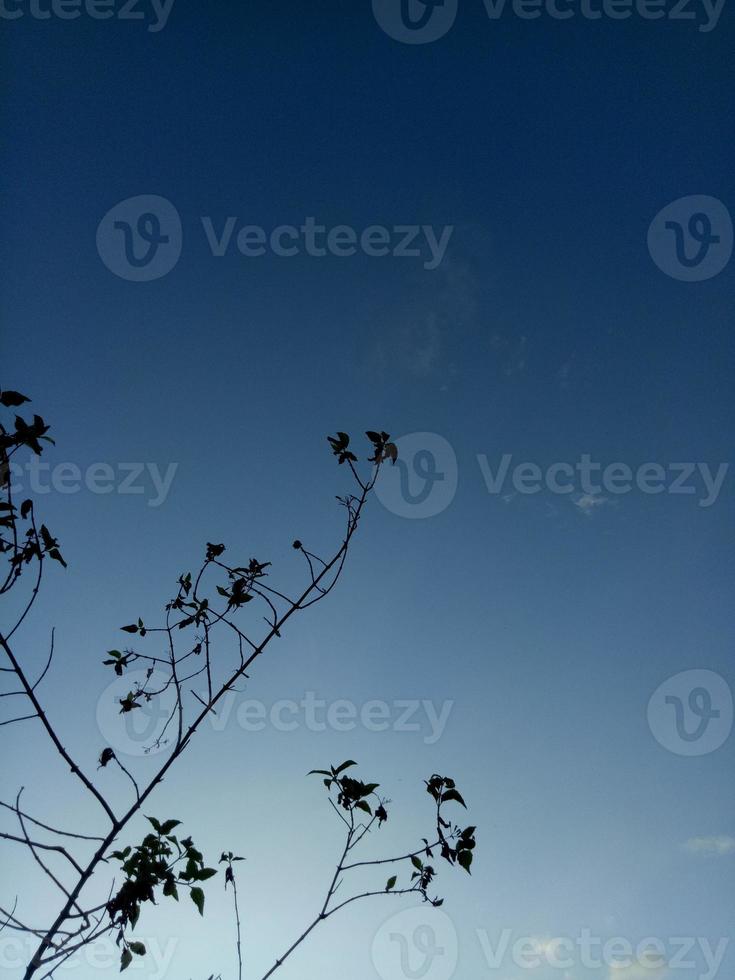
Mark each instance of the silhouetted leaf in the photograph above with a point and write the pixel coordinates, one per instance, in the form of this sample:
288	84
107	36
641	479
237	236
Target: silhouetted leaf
453	794
11	399
197	897
345	765
464	859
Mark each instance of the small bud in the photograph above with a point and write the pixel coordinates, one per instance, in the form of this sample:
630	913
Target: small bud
297	545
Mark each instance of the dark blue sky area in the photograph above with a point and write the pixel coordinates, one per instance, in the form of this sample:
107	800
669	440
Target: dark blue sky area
547	331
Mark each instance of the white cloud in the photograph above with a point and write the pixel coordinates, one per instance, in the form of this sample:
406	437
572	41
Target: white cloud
589	502
638	971
711	846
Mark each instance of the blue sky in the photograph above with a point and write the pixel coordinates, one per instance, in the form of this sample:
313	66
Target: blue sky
547	331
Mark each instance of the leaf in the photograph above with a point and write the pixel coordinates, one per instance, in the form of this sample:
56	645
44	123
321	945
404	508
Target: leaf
197	897
391	883
137	948
11	399
416	862
155	824
345	765
168	826
126	958
453	794
206	873
129	629
169	889
362	805
56	555
465	860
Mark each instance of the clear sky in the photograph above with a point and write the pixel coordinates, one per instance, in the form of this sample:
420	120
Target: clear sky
542	328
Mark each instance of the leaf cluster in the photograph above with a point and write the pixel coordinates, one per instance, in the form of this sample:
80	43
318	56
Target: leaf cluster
162	861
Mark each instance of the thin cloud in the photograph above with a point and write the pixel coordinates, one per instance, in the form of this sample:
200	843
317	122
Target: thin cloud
587	503
638	971
711	846
422	339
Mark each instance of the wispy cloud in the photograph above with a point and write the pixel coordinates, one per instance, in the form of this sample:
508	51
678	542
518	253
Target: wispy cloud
587	503
638	971
422	338
711	846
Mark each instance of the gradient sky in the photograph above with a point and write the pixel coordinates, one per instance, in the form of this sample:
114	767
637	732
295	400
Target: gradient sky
546	332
